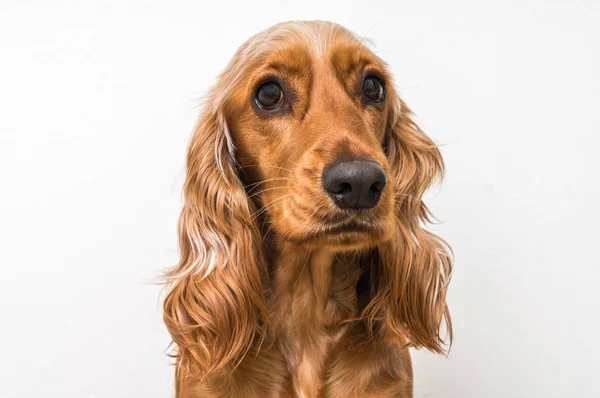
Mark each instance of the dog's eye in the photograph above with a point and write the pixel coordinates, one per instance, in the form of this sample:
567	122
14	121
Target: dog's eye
373	89
269	96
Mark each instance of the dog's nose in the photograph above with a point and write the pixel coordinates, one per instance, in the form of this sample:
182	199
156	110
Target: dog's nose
354	184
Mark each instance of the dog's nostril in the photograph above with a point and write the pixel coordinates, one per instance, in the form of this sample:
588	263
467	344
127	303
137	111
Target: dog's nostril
376	188
345	188
354	184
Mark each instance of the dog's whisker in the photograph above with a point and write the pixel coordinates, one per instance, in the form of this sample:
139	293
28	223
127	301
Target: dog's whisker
256	184
269	206
263	165
279	178
273	222
265	190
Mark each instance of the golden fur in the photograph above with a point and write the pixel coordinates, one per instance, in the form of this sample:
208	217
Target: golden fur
265	302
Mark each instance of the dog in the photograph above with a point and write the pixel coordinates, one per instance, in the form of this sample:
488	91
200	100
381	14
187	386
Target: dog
305	267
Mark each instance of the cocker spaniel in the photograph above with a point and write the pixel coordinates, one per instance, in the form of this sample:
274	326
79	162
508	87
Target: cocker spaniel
305	269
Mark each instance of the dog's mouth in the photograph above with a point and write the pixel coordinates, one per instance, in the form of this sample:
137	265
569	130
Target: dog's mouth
352	226
342	235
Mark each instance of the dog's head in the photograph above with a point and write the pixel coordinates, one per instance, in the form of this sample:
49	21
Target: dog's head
311	121
305	132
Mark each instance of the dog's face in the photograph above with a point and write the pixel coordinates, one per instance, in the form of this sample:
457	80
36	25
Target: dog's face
309	125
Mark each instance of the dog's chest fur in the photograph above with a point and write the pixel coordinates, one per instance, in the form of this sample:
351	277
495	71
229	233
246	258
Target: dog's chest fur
315	354
314	293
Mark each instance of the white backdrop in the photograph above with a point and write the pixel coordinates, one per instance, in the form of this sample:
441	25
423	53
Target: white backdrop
97	101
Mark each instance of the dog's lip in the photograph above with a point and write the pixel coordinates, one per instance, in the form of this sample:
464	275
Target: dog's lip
346	227
351	229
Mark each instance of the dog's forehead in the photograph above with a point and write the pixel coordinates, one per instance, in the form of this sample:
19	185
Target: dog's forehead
296	44
297	50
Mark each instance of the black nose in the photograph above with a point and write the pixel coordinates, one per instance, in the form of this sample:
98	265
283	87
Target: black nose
354	184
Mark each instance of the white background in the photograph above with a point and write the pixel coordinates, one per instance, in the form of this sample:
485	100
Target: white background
97	101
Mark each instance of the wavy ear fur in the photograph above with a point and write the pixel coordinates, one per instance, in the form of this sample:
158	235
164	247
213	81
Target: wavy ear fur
215	308
410	294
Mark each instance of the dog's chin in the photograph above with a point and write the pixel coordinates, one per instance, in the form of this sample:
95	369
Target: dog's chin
348	241
351	236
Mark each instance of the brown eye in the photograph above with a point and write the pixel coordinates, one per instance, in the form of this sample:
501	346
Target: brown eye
269	96
373	89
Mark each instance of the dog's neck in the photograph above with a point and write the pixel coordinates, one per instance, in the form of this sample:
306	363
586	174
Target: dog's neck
313	292
302	283
302	271
317	275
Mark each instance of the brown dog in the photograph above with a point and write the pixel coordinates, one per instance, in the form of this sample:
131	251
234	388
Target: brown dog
305	269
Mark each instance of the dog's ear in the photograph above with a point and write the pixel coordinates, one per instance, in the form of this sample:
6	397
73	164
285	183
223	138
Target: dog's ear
215	309
416	264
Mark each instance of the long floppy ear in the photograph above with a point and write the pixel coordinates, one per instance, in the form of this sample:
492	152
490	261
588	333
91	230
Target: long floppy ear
411	290
215	309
